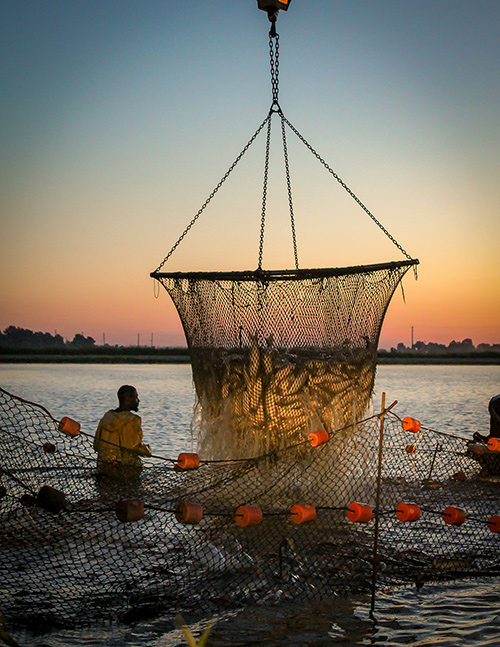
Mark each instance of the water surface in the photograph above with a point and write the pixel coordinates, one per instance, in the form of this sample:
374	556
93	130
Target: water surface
452	399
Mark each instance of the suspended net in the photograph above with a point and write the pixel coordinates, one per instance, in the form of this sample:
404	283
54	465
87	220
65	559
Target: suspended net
277	354
391	506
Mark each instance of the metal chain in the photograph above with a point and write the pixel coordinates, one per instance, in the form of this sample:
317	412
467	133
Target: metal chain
289	187
344	186
207	201
264	191
274	55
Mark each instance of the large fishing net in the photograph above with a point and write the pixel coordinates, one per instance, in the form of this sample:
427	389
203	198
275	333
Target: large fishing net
276	355
297	492
381	501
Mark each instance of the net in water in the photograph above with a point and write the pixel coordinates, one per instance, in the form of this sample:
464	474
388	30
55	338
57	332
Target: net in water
298	523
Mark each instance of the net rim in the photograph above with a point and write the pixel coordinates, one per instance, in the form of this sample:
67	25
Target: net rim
263	276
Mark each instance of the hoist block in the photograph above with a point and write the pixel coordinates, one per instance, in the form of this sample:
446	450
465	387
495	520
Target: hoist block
273	5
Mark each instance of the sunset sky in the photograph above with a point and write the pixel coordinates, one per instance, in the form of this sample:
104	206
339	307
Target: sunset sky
119	117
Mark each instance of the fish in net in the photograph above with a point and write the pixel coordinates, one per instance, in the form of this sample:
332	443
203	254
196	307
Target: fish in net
275	354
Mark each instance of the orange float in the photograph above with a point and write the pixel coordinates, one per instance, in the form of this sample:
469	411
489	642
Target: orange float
359	512
318	437
454	516
411	449
411	424
248	515
494	523
188	461
188	512
129	510
408	512
300	513
69	426
494	444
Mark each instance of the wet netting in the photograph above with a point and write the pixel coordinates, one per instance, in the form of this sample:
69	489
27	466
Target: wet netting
277	354
377	502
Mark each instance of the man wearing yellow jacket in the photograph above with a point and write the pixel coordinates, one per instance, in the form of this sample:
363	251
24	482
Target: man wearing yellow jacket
118	439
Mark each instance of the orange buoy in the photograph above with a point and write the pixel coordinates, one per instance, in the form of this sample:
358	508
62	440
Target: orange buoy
494	444
411	424
318	437
51	499
69	426
188	512
411	449
454	516
248	515
408	512
129	510
494	523
359	512
188	461
300	513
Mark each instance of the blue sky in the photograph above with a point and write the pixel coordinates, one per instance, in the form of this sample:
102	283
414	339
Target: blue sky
119	118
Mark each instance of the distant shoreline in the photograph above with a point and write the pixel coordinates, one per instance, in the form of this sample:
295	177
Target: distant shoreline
181	356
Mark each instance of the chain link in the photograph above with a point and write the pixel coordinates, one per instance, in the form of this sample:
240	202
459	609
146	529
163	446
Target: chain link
207	201
344	186
289	187
275	107
274	47
264	192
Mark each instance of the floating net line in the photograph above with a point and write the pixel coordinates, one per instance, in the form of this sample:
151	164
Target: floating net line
301	523
275	354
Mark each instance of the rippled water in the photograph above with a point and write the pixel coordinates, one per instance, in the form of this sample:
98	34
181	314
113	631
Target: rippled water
453	399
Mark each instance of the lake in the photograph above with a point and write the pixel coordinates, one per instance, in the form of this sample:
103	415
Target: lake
452	399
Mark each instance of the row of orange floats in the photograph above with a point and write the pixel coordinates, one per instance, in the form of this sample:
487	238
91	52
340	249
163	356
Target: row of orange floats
451	515
252	515
185	460
191	461
413	425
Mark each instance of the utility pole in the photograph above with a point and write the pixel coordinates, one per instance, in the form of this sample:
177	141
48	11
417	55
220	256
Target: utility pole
138	339
151	340
412	337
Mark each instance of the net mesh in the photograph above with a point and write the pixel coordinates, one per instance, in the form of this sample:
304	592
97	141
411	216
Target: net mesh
276	354
78	549
300	493
81	562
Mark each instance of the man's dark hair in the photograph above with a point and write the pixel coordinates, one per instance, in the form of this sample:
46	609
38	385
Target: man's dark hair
125	392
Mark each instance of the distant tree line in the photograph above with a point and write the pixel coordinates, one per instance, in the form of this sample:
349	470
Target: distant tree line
454	347
15	337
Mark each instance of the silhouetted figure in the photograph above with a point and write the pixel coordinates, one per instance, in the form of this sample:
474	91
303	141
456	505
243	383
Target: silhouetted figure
118	439
494	409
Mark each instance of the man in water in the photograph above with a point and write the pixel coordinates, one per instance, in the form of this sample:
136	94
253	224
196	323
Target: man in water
118	439
494	409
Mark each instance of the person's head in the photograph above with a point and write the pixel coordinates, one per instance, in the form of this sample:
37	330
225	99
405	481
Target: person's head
128	398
